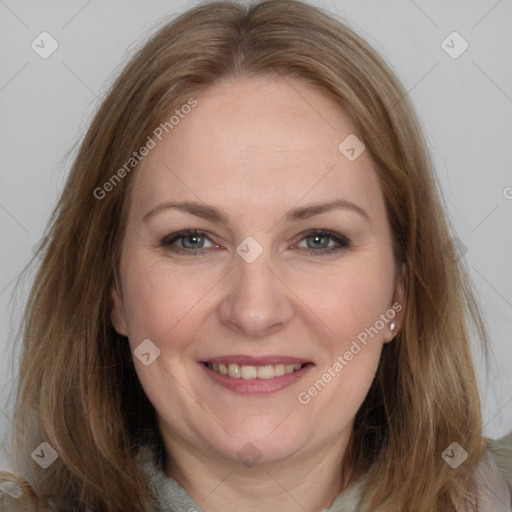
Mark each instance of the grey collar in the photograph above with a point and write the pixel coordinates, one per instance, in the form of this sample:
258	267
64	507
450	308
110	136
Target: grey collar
169	496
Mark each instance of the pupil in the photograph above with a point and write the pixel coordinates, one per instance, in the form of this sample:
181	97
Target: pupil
192	241
317	239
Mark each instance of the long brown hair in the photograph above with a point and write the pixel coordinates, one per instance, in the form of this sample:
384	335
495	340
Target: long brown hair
78	390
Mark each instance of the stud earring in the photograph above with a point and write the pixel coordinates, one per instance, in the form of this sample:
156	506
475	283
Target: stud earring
392	326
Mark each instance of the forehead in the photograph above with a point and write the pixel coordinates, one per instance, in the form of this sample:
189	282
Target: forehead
257	142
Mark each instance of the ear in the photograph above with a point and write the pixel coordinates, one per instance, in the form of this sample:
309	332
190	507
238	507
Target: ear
398	304
117	314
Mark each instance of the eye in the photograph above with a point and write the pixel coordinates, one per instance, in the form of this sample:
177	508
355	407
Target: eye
321	242
193	242
190	241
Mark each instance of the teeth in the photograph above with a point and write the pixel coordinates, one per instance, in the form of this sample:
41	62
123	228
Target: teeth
269	371
234	371
248	372
279	370
265	372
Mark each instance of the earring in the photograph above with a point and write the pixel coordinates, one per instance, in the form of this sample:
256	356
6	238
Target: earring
392	326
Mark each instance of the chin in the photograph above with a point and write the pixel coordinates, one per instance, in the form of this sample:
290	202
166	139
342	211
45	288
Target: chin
255	442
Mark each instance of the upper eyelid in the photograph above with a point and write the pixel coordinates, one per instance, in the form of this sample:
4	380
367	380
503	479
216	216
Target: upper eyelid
173	237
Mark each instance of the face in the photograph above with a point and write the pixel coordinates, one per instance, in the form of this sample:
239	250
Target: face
255	247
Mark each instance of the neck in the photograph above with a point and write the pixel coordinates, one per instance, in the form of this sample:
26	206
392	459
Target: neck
310	481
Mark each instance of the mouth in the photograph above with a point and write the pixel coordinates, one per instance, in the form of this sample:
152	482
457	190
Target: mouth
247	372
249	376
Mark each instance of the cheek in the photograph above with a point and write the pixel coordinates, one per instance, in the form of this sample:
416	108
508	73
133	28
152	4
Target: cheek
161	301
352	297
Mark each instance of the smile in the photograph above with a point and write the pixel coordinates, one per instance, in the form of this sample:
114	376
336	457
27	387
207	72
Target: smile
246	375
264	372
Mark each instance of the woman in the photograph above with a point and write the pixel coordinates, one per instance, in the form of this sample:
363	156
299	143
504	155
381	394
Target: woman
243	302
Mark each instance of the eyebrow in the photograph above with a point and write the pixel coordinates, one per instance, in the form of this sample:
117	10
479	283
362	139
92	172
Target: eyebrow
213	214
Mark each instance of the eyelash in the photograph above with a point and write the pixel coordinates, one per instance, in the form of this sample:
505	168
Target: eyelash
342	241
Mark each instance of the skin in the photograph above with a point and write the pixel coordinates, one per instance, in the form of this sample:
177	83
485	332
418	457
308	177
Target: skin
256	148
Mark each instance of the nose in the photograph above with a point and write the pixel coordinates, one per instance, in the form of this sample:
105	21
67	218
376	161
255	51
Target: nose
257	302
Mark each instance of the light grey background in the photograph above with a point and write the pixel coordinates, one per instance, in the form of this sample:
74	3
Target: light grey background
465	104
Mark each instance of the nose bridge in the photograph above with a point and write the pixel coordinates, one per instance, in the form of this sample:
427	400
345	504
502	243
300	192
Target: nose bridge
256	302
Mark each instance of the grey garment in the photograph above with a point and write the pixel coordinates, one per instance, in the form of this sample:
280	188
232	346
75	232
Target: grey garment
502	452
494	494
171	497
494	477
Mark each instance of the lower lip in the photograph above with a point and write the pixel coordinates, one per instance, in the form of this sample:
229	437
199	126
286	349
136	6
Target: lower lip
256	386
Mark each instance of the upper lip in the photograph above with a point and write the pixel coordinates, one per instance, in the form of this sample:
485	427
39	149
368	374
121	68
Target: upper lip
255	360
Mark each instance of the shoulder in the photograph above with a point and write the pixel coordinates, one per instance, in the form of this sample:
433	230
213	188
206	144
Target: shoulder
501	450
494	477
16	495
